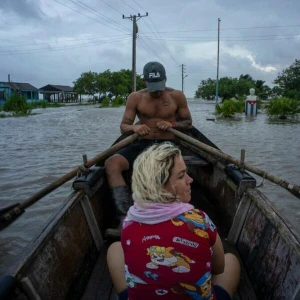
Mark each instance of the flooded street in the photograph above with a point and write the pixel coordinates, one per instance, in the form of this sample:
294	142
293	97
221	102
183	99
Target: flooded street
39	149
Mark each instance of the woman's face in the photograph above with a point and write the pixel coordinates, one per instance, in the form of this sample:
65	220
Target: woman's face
179	183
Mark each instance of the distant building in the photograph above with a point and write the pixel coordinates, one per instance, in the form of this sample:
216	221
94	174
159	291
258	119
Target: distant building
58	93
28	91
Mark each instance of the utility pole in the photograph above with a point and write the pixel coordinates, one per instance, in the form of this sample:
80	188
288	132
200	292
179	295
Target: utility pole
134	33
182	76
217	83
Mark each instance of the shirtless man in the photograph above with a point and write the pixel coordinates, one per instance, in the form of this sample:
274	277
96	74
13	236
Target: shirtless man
158	108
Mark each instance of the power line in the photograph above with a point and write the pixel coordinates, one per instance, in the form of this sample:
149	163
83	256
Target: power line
129	6
236	28
102	15
157	39
153	51
163	44
64	48
111	7
138	5
63	41
166	47
225	40
86	15
228	37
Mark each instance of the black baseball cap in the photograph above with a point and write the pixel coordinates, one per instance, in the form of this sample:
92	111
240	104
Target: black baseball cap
155	76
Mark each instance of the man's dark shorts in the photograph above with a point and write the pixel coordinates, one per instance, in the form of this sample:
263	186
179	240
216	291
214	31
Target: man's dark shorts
132	151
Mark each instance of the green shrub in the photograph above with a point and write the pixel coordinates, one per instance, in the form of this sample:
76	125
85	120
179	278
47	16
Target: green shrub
17	105
105	102
38	104
44	104
283	108
118	101
229	108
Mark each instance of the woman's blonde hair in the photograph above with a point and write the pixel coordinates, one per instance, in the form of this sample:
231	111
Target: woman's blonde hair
152	171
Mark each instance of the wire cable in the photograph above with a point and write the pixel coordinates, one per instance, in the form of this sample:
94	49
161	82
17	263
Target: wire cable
129	6
102	15
64	41
87	16
64	48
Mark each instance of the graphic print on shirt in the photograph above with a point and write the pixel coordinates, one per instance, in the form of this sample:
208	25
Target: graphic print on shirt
131	279
168	256
195	222
201	290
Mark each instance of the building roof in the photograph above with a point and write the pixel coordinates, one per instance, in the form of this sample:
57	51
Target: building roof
56	88
20	86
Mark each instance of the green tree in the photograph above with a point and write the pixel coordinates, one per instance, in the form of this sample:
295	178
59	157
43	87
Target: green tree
232	87
86	84
103	83
119	84
276	92
206	89
227	87
289	81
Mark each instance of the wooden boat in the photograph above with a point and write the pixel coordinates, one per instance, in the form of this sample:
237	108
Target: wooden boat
68	259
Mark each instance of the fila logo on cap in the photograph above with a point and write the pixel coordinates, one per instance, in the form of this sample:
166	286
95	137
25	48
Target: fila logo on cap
154	75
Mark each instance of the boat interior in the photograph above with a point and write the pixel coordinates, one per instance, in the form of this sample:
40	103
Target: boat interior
68	259
100	285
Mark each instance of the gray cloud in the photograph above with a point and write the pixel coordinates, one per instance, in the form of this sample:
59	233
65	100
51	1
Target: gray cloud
46	42
24	8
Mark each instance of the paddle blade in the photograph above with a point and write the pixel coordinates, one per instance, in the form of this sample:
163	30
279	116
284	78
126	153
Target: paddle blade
9	214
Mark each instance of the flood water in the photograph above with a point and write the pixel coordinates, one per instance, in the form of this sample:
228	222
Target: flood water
39	149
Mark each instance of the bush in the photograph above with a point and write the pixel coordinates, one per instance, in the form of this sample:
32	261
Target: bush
38	104
229	108
283	107
105	102
17	105
44	104
118	101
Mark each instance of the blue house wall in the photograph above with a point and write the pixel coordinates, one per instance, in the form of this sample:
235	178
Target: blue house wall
30	96
6	91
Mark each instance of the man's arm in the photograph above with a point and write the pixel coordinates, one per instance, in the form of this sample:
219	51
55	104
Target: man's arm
183	113
184	118
127	126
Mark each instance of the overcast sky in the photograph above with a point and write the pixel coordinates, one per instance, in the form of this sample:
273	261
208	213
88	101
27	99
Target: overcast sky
54	41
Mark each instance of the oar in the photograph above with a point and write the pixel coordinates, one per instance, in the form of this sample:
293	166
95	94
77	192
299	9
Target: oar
10	213
292	188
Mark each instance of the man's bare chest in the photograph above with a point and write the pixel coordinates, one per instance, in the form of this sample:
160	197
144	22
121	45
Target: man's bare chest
158	108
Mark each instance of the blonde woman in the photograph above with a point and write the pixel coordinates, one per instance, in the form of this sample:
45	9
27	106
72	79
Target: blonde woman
169	249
